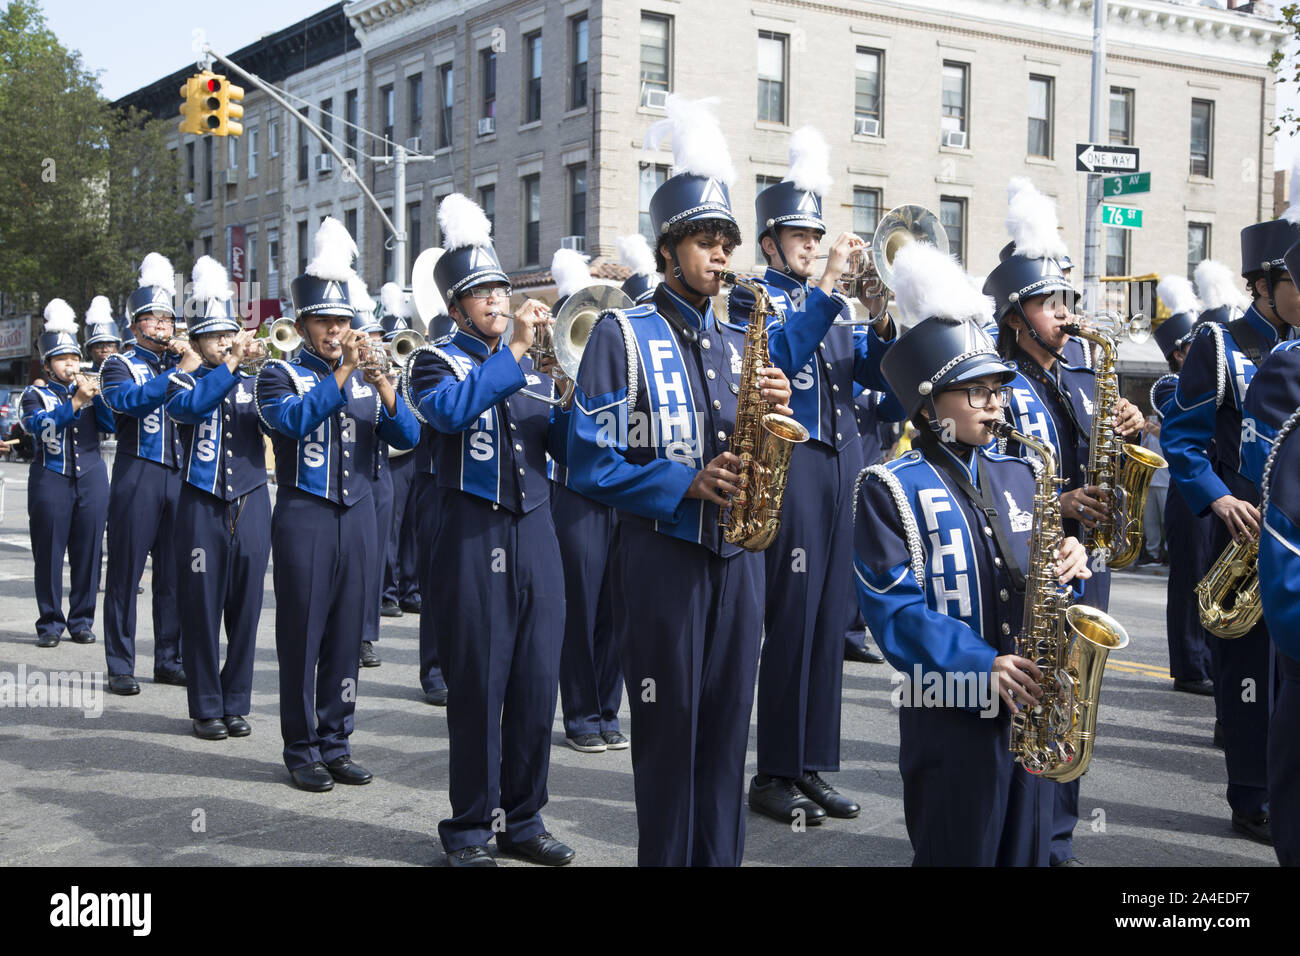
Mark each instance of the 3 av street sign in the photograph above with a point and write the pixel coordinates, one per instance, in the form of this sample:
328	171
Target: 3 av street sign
1097	158
1126	185
1125	217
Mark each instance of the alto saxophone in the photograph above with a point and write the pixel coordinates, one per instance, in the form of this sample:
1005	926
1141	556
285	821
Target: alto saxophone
1069	643
763	440
1122	470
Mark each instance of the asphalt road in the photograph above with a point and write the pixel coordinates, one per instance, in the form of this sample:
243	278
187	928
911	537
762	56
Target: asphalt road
132	785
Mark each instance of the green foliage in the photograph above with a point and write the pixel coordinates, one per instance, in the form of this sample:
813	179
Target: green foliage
1288	69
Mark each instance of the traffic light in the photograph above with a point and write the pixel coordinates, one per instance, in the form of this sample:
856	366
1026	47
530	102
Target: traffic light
212	105
230	110
210	85
190	107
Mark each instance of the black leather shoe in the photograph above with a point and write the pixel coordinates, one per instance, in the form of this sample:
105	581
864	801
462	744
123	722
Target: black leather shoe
237	726
344	770
827	797
861	655
1203	687
1256	826
176	678
390	609
412	607
210	729
47	640
543	849
123	684
781	800
436	697
314	778
83	637
368	656
471	856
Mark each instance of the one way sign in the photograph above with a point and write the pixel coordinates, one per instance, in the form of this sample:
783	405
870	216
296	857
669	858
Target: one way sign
1096	158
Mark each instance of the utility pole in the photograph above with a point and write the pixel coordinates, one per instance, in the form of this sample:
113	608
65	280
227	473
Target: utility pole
399	159
1098	122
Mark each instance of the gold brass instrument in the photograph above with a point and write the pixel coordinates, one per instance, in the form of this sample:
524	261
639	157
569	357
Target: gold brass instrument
873	272
92	379
374	355
283	337
256	356
763	440
1122	470
565	340
404	343
1227	598
1069	643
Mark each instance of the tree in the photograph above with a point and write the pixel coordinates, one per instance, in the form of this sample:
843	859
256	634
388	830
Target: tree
1287	64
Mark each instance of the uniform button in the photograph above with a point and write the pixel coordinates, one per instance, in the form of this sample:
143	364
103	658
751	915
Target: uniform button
519	447
514	427
1003	594
522	496
346	473
230	471
839	411
716	405
997	562
1006	628
229	453
835	388
988	531
229	488
722	436
347	454
839	437
228	435
521	471
828	366
78	468
227	418
823	345
704	344
710	374
495	506
345	492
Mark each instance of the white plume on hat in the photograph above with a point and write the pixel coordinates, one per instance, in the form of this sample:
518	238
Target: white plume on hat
1292	214
463	223
333	250
634	252
359	295
428	289
100	311
569	269
396	302
931	284
1031	220
1218	286
210	280
59	317
699	148
1016	186
157	270
1177	294
810	161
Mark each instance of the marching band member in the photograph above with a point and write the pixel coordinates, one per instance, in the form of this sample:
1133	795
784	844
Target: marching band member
67	483
634	252
655	409
146	480
102	338
943	600
809	595
223	513
325	420
1202	438
401	591
365	323
1273	397
502	623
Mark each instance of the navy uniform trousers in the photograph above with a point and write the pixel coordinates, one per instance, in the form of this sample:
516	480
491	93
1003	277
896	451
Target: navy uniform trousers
809	592
1284	764
326	561
1188	542
382	492
687	624
66	515
141	521
499	642
591	685
401	578
225	582
426	506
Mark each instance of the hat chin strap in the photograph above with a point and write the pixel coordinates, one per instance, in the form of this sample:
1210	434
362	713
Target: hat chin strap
1033	334
677	273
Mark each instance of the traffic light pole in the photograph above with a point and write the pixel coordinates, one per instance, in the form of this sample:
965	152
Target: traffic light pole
1092	257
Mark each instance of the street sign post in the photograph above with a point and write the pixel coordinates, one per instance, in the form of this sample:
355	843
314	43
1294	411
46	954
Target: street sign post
1126	185
1123	217
1099	158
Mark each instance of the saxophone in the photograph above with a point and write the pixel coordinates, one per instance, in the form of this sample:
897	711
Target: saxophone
762	439
1227	598
1069	643
1122	470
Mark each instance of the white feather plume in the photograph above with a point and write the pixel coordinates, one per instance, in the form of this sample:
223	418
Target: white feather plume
463	223
59	317
210	280
1177	294
100	311
699	148
430	289
634	252
333	251
394	299
1016	186
157	270
569	269
931	284
359	295
1292	214
1218	286
1031	220
810	161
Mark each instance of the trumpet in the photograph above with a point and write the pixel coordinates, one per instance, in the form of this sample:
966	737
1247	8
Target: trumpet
374	356
565	340
283	337
256	357
92	379
404	343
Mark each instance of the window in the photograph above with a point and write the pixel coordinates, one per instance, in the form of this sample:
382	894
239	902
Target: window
578	62
327	119
578	200
272	263
252	152
387	269
761	183
387	113
771	77
532	187
866	212
868	92
412	231
487	67
651	178
1202	154
302	150
251	260
302	246
207	167
437	234
414	103
273	137
350	131
656	54
232	152
952	216
1198	245
1121	116
207	245
446	99
189	167
487	200
1116	252
533	79
1040	116
350	222
953	120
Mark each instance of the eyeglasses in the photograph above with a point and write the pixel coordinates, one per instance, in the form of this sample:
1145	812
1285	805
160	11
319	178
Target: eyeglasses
979	395
488	291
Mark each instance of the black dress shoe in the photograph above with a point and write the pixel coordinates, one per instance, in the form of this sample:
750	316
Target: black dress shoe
368	656
314	778
471	856
83	637
176	678
861	655
436	697
412	607
1203	687
827	797
123	684
543	849
47	640
344	770
1256	826
210	729
781	800
390	609
237	726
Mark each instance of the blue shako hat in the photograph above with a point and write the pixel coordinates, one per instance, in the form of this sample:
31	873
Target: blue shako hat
634	253
363	306
395	311
796	201
211	305
948	345
323	288
60	334
100	326
1174	331
1020	277
468	258
1179	297
157	289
